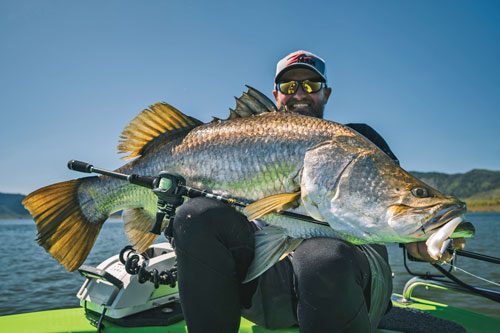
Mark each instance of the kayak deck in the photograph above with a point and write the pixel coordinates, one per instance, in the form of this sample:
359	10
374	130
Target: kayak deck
74	320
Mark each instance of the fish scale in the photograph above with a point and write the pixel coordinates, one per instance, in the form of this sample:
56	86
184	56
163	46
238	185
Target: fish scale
236	159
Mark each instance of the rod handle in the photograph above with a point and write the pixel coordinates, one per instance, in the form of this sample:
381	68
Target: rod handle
80	166
144	181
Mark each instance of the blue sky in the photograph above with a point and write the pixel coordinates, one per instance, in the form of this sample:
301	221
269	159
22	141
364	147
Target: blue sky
425	74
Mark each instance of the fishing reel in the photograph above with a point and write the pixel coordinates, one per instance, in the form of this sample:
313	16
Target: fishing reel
170	190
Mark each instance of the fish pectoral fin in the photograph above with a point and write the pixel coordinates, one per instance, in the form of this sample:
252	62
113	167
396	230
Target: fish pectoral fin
138	223
270	204
159	119
270	245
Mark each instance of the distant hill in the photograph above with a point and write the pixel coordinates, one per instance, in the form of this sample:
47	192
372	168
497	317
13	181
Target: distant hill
11	207
479	188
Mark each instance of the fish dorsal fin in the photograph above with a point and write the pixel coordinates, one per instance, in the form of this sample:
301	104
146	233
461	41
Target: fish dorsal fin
250	103
270	204
160	118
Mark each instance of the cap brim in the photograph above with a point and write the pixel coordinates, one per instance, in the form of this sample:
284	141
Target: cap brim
295	66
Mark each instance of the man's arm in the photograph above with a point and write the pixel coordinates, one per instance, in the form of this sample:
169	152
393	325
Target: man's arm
374	137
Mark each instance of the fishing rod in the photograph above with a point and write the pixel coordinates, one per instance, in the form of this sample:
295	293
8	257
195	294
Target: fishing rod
170	189
478	256
491	294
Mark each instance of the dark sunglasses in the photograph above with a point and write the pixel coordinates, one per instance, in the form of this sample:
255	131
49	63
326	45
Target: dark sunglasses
291	87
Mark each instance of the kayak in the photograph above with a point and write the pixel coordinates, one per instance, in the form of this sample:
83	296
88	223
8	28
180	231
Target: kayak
114	299
74	320
77	319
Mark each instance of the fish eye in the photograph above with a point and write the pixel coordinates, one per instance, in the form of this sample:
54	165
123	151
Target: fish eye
420	192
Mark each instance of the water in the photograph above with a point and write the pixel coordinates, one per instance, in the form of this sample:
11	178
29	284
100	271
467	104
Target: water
31	280
486	241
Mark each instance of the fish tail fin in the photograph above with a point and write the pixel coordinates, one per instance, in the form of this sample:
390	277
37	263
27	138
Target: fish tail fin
138	223
64	230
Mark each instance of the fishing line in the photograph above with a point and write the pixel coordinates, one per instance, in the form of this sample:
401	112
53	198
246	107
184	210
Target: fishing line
471	274
491	295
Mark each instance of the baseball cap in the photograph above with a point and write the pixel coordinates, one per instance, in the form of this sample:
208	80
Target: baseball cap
300	59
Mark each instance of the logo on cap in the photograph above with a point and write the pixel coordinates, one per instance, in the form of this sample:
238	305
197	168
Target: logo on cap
301	58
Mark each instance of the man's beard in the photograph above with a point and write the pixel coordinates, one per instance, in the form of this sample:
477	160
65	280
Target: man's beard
307	110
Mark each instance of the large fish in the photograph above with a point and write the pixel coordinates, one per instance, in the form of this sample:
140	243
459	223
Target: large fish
280	160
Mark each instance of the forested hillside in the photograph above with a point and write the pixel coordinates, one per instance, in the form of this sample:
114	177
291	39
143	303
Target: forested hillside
11	207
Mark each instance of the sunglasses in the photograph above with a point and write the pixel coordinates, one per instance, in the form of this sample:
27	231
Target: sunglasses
291	87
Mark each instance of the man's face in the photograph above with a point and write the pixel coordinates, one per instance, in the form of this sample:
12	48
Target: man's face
302	102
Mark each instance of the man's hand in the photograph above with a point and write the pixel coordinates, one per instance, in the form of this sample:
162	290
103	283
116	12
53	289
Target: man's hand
419	251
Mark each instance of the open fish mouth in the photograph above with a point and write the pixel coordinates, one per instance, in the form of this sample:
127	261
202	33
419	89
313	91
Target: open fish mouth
464	229
443	216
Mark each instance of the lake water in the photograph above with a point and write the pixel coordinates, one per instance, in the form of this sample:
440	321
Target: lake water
32	280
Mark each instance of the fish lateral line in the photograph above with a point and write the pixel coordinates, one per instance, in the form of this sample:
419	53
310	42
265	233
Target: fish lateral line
191	192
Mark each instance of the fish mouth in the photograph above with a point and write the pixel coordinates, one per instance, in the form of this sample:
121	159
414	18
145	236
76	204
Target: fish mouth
443	216
465	229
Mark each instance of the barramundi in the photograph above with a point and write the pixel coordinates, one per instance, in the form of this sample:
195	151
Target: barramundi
272	160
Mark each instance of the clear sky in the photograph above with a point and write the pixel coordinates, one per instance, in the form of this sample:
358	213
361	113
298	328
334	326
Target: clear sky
425	74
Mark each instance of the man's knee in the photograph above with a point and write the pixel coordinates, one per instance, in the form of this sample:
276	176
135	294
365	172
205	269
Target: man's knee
201	220
325	254
329	264
202	209
195	219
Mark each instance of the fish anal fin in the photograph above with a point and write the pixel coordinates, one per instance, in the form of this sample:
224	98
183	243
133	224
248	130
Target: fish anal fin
138	223
158	120
270	204
271	245
293	244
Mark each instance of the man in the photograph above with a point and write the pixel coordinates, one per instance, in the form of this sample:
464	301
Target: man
343	298
326	285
